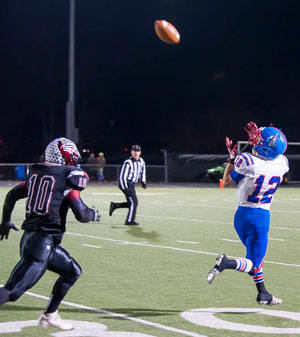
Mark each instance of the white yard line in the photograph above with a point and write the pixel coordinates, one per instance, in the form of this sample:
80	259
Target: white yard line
184	219
272	239
122	316
229	240
182	204
286	228
90	246
192	242
171	248
140	193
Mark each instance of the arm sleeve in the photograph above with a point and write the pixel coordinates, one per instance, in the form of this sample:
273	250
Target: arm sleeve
236	177
16	193
77	179
81	211
143	173
243	163
124	174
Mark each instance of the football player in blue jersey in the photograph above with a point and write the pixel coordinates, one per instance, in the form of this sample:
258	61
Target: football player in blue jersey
258	175
51	189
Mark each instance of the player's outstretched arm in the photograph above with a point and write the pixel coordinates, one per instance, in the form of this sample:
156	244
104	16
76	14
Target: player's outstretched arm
227	180
16	193
82	212
232	150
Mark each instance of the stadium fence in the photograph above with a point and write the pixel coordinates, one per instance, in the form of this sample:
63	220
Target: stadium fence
177	167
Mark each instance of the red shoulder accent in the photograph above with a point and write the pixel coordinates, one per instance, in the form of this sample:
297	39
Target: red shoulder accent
74	195
87	176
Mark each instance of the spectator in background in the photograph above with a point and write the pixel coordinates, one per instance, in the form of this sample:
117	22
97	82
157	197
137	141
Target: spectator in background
92	160
20	172
101	163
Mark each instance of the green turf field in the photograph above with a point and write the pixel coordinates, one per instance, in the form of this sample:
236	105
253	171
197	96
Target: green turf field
138	281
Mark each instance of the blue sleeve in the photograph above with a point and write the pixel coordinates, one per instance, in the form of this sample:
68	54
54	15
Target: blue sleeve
236	176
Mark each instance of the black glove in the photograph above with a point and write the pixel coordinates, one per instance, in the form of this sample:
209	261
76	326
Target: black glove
5	227
97	215
144	185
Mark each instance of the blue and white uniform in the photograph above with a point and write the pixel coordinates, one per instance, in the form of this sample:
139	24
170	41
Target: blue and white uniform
258	179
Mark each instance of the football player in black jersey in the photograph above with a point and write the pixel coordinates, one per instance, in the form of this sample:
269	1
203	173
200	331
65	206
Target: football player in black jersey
51	189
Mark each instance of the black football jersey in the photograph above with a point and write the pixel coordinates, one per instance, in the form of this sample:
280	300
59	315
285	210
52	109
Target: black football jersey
47	185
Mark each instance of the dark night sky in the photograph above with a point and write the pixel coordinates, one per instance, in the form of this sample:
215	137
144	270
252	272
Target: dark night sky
238	61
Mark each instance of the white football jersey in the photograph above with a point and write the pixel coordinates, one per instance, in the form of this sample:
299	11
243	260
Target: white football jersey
258	179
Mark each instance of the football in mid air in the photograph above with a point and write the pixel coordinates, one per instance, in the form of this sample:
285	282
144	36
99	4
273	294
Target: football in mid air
166	32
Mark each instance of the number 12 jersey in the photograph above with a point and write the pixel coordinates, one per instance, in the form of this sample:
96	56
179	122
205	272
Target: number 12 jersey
258	179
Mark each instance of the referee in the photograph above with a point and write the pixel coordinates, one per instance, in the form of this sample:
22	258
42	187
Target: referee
132	171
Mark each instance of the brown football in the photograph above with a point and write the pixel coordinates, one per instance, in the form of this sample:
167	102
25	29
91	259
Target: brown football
166	31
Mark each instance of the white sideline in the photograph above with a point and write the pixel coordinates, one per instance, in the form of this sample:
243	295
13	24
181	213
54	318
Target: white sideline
125	317
171	248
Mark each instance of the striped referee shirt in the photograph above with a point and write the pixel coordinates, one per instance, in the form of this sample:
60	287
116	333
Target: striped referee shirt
132	171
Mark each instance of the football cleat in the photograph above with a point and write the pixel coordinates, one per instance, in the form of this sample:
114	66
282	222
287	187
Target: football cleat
131	223
112	207
218	268
212	275
268	299
53	320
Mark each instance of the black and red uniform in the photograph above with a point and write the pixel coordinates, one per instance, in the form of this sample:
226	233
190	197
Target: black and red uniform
50	190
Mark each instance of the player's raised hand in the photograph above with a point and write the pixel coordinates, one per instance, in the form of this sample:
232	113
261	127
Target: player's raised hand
254	133
231	148
5	227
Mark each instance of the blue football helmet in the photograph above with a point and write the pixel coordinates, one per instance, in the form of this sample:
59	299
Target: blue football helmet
273	142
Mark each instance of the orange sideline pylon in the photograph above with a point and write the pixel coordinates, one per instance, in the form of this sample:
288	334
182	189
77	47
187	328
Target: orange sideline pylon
221	183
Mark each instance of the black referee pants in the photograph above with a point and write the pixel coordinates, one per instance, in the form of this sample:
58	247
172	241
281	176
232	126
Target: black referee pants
131	203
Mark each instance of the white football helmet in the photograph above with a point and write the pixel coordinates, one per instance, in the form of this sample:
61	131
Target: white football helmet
62	151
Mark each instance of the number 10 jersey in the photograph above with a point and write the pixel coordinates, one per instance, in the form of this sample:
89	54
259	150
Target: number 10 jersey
47	185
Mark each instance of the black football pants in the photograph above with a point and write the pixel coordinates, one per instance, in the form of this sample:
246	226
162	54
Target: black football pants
131	203
38	254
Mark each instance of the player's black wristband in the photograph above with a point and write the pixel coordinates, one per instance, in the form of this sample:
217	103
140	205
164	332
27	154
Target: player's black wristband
231	161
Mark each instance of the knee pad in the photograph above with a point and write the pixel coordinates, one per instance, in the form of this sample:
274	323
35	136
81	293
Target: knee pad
69	278
77	269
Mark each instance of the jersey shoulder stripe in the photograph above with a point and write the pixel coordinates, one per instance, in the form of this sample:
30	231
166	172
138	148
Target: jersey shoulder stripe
76	173
248	158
